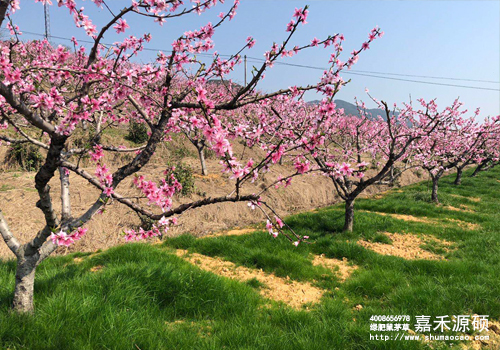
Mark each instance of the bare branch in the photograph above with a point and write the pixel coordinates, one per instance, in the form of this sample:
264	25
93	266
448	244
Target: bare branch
106	148
7	235
26	137
140	110
180	209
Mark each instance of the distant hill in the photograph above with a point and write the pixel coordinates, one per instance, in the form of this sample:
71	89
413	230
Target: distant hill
227	83
350	108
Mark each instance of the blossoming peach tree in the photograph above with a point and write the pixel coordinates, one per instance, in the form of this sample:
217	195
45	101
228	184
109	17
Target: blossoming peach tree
57	91
359	151
366	150
477	139
458	142
486	148
489	152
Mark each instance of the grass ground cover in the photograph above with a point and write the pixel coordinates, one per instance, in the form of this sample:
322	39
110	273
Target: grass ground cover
144	296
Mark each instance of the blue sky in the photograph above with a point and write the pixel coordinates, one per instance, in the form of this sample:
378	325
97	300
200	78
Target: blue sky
455	39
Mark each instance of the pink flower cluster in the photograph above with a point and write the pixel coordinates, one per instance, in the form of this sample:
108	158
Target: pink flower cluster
159	195
65	239
158	229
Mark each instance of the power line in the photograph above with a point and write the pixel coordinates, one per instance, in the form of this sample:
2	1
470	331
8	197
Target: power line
352	72
380	77
429	77
423	82
108	44
382	73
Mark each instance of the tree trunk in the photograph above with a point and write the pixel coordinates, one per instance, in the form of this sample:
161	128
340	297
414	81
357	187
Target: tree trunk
25	280
65	197
458	179
349	215
204	170
434	195
478	169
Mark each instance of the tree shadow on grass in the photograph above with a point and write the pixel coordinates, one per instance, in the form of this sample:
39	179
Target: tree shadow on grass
318	224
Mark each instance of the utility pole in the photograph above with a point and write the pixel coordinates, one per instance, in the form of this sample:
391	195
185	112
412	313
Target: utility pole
245	70
47	20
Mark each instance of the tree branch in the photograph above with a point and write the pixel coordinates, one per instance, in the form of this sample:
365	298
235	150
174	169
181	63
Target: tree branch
4	5
25	111
7	235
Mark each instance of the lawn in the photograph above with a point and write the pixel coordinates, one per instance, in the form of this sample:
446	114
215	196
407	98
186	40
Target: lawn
149	296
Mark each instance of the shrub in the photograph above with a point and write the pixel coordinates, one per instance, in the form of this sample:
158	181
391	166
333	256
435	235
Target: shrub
180	152
184	174
137	133
26	155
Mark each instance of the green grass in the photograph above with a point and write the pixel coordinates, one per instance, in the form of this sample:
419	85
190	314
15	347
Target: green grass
5	188
145	297
255	283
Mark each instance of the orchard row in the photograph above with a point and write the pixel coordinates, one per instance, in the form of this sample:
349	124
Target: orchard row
48	93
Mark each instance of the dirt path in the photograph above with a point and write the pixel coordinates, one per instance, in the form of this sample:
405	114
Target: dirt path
406	246
293	293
